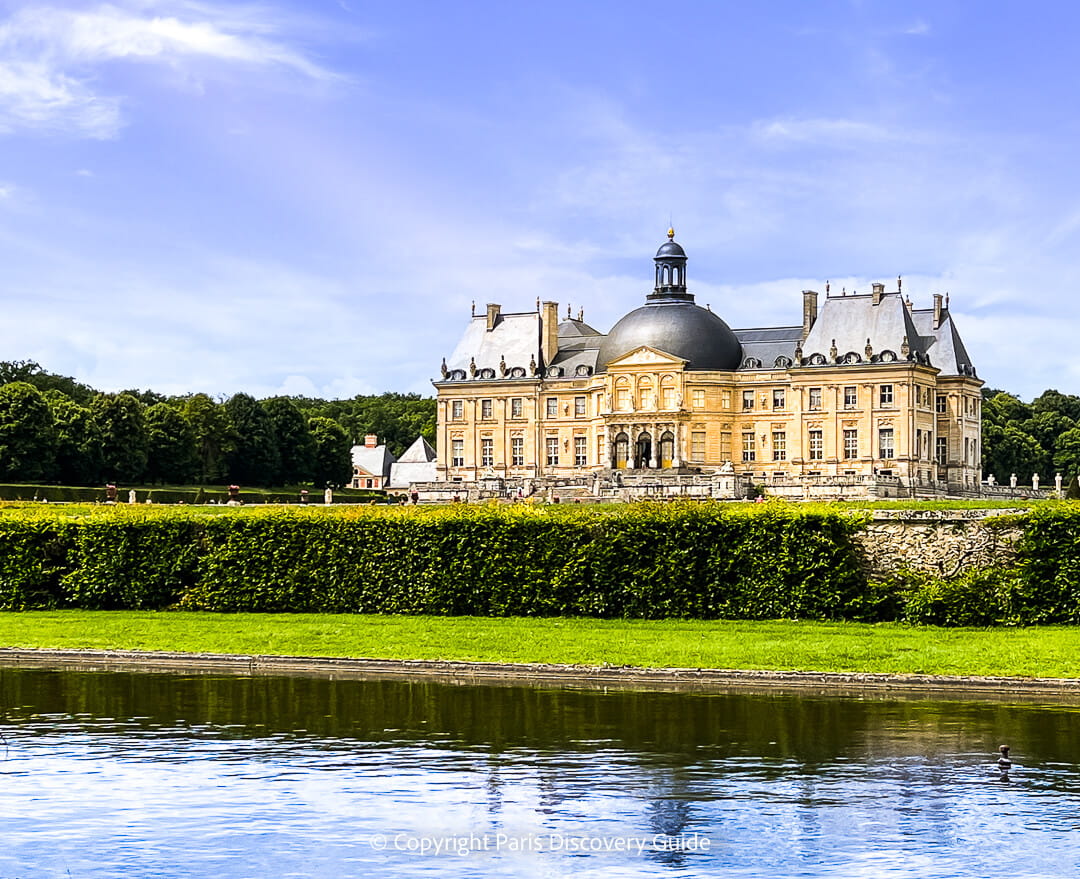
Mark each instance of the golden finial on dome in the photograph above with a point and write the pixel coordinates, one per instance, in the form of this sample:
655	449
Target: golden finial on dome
671	232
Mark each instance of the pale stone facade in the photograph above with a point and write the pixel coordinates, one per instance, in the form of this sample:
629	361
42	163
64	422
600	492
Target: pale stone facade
868	386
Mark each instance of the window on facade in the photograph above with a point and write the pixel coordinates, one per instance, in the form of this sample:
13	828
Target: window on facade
815	398
622	398
552	407
580	453
851	399
816	445
748	401
725	399
457	453
886	396
457	409
516	407
487	452
886	448
943	450
749	449
967	448
725	445
486	409
851	443
579	406
940	406
600	448
517	451
552	451
697	445
646	397
667	397
778	398
698	398
779	445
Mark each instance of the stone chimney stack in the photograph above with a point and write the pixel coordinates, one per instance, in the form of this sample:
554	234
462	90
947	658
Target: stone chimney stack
879	291
549	332
371	440
937	310
809	311
493	310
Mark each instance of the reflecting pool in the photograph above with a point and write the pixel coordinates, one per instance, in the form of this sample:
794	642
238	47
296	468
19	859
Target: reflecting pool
159	775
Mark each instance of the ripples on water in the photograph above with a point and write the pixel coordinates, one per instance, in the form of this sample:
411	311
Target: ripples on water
105	775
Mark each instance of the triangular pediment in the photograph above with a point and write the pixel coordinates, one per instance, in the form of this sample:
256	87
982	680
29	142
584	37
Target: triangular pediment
646	356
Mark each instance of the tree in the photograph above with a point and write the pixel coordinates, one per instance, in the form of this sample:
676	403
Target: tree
1067	452
120	419
78	441
1055	401
215	436
255	460
1009	450
1004	408
170	445
30	372
27	438
333	452
295	443
1046	427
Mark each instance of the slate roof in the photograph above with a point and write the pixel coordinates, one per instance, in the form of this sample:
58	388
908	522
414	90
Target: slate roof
420	452
766	344
848	321
943	345
374	461
515	337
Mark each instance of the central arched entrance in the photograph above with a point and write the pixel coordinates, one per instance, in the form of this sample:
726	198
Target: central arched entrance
643	451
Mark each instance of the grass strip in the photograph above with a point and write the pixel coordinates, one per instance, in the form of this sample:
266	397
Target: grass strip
1050	651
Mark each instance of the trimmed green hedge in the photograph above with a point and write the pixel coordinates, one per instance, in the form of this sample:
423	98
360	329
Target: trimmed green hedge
694	560
646	561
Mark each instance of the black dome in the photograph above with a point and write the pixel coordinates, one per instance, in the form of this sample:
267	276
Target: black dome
675	326
669	249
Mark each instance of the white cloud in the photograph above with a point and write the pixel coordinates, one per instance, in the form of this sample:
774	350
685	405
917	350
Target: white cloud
51	57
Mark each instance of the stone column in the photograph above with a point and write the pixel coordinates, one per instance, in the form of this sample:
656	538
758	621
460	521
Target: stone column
655	462
676	457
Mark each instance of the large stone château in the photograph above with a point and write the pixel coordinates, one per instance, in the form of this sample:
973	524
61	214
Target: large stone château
866	388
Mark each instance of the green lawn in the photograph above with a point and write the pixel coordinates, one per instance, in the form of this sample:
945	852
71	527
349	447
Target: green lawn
1052	651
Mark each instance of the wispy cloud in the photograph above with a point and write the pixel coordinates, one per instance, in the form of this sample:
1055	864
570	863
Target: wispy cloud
51	57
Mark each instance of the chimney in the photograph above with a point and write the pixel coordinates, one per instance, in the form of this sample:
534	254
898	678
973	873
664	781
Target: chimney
809	311
937	310
879	291
549	332
493	310
371	440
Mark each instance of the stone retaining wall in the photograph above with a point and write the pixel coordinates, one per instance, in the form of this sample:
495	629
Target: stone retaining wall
939	542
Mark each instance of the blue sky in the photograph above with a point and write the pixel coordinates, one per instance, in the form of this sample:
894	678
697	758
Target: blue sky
305	197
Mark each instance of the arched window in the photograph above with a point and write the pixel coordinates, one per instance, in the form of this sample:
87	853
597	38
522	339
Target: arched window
667	449
643	450
622	448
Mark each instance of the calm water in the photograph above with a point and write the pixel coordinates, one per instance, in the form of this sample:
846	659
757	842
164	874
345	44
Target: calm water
142	775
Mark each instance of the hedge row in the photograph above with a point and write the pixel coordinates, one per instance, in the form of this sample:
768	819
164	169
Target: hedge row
645	561
692	560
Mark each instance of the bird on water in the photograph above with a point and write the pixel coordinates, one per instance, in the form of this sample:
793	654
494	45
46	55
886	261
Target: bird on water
1003	761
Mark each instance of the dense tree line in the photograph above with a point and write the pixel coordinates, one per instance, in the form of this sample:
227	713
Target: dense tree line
1042	436
55	429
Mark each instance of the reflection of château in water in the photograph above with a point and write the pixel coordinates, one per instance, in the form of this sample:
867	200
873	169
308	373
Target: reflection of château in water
866	386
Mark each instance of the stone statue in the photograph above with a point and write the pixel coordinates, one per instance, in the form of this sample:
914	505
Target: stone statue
1057	483
1012	481
328	495
131	496
1034	481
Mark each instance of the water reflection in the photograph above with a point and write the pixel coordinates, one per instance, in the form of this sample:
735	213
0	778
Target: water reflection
107	774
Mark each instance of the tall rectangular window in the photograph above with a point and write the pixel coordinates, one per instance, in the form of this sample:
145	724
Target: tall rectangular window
851	443
886	396
552	451
815	398
580	453
486	410
697	445
725	445
457	409
747	400
552	407
940	404
749	449
667	397
516	407
943	450
886	448
697	398
779	445
487	452
457	453
816	445
725	399
517	451
778	398
579	406
622	398
851	397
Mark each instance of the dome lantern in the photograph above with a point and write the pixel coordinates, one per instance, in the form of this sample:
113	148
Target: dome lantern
670	262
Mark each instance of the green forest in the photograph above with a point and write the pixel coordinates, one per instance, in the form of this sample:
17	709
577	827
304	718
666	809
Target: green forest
55	429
